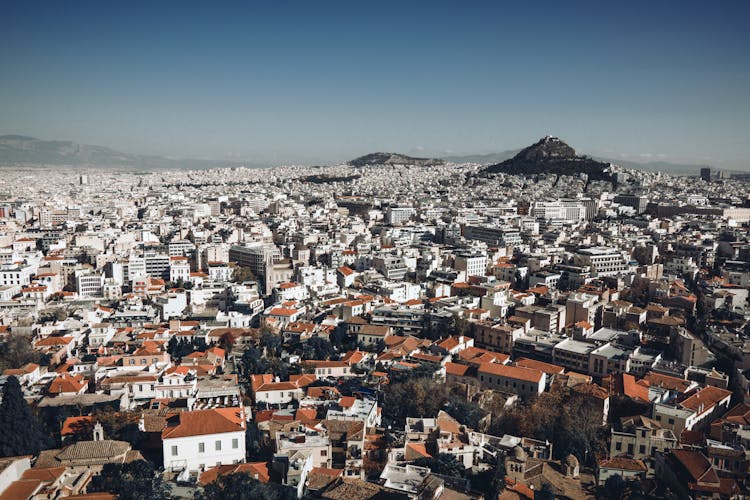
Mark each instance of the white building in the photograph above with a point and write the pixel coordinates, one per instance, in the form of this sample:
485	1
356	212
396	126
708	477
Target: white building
179	269
472	264
604	261
196	440
89	284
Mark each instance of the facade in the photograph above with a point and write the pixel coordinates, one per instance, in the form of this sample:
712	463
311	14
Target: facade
526	382
196	440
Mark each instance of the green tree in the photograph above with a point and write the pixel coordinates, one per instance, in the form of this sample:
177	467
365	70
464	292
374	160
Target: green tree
317	348
16	351
613	489
546	492
257	448
271	343
490	481
413	398
464	411
136	480
21	433
240	486
254	362
177	348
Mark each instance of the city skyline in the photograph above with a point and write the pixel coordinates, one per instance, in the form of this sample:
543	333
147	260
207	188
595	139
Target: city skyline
324	84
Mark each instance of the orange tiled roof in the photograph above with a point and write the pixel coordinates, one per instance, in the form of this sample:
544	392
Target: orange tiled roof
203	422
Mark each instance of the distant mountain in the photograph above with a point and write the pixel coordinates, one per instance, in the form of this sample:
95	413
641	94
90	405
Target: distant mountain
393	159
485	159
550	155
656	166
23	150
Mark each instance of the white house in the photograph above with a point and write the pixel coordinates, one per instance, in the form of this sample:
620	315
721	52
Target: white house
175	383
196	440
101	334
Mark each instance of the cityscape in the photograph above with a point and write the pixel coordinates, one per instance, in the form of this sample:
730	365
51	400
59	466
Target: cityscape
517	321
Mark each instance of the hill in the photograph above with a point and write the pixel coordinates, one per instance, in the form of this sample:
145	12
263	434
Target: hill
393	159
550	155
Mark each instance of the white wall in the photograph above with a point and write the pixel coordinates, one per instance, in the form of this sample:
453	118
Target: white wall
189	455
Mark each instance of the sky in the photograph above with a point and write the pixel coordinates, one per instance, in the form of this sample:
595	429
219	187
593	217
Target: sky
313	82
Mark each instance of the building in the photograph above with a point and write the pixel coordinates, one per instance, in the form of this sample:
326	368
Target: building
89	284
196	440
473	264
603	261
640	437
526	382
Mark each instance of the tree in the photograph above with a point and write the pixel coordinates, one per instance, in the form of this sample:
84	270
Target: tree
464	411
130	481
21	433
240	486
226	342
243	274
424	371
340	338
546	492
253	362
271	343
614	488
317	348
490	481
257	448
177	348
413	398
16	351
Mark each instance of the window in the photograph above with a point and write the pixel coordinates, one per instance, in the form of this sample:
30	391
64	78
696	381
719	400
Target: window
618	446
630	449
235	443
671	421
201	447
174	451
642	449
323	453
218	445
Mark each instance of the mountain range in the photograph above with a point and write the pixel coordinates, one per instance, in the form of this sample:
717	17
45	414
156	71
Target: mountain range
29	151
19	150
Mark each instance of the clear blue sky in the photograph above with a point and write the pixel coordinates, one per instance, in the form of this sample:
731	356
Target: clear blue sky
325	81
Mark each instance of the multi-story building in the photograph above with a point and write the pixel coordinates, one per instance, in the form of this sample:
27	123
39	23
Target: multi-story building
640	438
603	261
472	263
89	283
